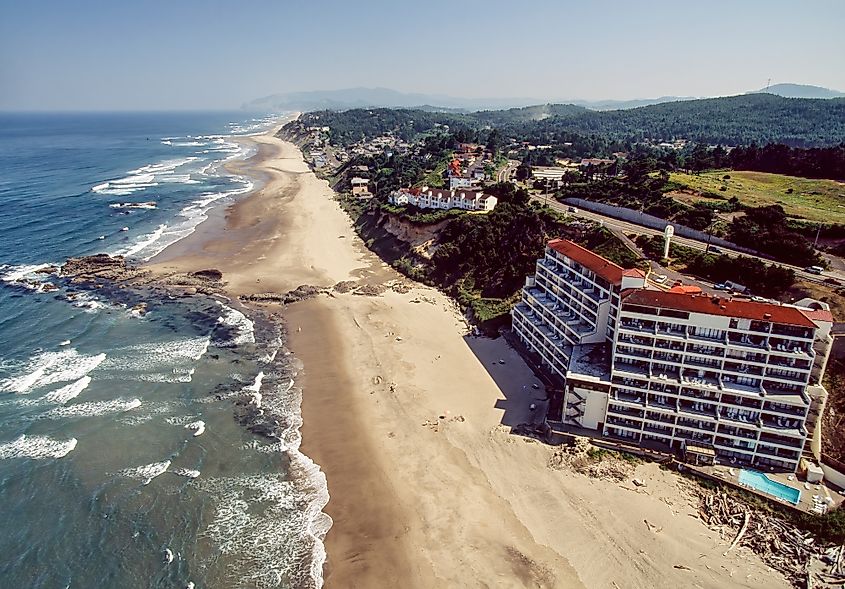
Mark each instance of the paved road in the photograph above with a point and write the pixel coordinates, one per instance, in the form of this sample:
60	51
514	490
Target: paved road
509	170
627	227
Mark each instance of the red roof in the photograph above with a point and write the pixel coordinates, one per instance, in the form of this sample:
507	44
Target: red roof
818	315
718	306
593	262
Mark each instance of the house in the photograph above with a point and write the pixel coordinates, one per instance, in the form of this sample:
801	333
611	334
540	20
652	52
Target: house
360	187
689	372
425	198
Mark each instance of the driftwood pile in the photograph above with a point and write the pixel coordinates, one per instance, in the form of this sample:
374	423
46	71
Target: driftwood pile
797	555
598	465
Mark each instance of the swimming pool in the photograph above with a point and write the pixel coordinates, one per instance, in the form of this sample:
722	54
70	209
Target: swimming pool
760	482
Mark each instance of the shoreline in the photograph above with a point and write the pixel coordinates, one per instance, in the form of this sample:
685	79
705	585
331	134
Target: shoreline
409	418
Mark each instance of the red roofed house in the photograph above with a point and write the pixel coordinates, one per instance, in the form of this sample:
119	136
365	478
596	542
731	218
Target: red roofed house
714	377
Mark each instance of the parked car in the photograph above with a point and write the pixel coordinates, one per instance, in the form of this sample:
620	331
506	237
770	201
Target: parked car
572	210
814	269
720	286
659	278
715	250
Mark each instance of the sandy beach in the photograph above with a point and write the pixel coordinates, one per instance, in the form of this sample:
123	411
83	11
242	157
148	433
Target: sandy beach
409	416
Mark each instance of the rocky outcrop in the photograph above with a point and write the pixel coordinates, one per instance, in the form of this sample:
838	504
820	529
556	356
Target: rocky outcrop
300	293
102	267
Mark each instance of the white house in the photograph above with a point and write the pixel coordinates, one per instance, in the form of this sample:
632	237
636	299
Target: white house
426	198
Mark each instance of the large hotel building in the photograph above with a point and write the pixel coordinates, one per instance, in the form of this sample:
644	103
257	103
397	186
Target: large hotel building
724	377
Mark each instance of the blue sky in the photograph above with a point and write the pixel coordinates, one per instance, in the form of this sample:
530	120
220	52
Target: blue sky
207	54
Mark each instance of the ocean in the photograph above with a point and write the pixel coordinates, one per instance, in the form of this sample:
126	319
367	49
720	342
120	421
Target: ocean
155	448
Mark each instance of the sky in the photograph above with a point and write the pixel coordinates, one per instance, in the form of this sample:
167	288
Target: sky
209	54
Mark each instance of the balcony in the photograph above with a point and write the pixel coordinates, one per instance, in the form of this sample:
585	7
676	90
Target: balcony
792	331
698	408
742	385
670	345
785	409
700	378
624	422
637	325
778	452
658	430
747	341
662	402
631	397
707	335
790	347
635	340
660	417
698	395
621	410
771	438
743	368
739	415
746	357
703	362
635	368
782	423
735	445
740	401
730	430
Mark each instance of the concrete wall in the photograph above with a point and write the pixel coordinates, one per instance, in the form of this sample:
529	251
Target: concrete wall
653	222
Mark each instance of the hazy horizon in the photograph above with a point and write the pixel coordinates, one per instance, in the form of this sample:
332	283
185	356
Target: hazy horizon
196	55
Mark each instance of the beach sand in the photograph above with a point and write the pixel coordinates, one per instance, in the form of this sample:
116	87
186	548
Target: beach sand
409	417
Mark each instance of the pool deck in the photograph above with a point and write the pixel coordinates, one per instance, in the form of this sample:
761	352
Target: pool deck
730	475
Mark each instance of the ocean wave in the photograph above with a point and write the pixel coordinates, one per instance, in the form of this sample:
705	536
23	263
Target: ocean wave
67	392
187	472
147	472
12	273
240	327
133	205
50	368
36	447
92	409
268	522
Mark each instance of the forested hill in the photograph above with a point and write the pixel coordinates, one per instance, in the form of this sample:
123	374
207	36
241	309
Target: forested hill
733	120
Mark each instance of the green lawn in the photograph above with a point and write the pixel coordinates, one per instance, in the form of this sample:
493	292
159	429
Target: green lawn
814	200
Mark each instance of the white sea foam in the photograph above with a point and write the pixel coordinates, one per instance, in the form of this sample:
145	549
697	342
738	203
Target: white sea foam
187	472
147	472
67	392
10	273
50	368
144	241
255	517
244	332
92	409
198	427
36	447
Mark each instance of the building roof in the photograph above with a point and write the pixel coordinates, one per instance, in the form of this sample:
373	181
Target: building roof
593	262
818	315
727	307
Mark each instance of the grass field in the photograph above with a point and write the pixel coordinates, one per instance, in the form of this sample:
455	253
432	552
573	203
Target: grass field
814	200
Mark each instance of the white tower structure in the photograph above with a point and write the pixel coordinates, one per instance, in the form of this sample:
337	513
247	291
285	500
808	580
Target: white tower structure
667	238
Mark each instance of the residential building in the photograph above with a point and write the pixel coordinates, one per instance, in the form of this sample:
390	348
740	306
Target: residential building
437	198
729	377
360	187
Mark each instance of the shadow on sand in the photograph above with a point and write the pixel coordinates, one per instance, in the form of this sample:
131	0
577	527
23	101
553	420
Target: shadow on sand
515	380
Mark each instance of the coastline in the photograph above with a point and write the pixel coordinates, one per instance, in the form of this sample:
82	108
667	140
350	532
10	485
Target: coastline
409	418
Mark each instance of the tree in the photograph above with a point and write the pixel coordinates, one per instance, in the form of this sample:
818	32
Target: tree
523	172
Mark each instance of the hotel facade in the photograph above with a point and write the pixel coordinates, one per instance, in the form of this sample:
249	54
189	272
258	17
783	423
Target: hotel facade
426	198
720	377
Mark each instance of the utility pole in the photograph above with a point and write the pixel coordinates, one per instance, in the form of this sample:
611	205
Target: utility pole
818	232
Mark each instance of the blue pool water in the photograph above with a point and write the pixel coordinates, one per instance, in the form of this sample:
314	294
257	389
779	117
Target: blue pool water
760	482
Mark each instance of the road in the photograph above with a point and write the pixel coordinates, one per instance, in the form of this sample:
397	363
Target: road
627	228
504	175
